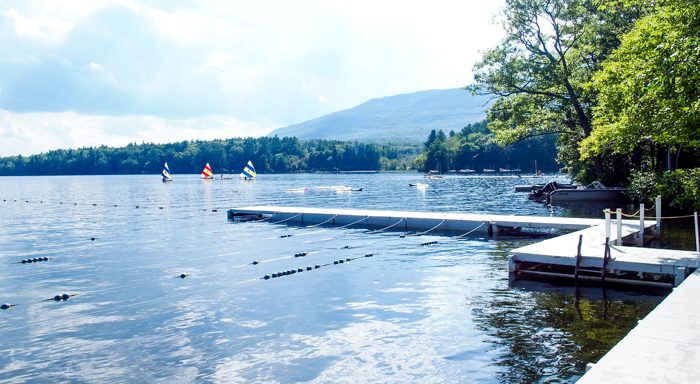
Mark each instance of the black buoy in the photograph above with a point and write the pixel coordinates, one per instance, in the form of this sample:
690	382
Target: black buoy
137	206
348	259
346	247
215	210
317	266
46	258
255	262
266	277
115	205
335	262
65	296
57	298
92	239
309	268
35	259
6	306
300	269
341	261
160	207
402	236
183	275
94	205
274	275
293	271
369	255
24	261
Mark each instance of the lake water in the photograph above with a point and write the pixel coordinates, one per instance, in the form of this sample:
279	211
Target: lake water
438	314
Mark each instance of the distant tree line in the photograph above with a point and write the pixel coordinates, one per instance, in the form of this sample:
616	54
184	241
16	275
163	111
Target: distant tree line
269	155
474	147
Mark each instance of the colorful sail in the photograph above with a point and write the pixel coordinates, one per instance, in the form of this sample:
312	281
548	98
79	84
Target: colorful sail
206	172
248	171
166	173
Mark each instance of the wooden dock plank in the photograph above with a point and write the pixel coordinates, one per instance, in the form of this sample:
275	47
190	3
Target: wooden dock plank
663	348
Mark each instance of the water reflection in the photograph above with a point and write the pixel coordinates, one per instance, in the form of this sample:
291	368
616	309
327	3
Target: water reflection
412	313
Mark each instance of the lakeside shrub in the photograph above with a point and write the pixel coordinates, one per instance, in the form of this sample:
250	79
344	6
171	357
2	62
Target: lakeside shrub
679	189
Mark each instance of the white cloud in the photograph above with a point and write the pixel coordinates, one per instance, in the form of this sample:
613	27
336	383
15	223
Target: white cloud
28	133
45	28
264	61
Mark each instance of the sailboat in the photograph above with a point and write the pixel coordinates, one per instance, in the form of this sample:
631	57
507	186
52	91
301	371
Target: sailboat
248	172
166	173
206	172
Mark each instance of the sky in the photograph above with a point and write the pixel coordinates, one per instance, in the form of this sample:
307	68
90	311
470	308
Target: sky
112	72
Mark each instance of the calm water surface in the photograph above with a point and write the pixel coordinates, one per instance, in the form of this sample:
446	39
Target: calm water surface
438	314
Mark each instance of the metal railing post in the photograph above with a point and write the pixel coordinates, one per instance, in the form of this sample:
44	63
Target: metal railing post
618	216
640	236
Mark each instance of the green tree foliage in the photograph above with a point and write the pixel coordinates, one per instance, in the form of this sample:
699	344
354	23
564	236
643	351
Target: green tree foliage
269	154
475	147
542	71
649	88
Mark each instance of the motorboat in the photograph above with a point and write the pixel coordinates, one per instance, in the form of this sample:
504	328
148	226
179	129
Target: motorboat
553	193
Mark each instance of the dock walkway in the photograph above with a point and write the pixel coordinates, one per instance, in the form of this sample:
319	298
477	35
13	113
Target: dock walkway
457	222
562	251
663	348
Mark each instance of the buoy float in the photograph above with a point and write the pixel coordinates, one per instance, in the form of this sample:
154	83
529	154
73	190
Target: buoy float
215	210
300	269
309	268
7	306
348	259
183	275
274	275
24	261
92	239
335	262
266	277
94	205
317	266
255	262
369	255
341	261
137	206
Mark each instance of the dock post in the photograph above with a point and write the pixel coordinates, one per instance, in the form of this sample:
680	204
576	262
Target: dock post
618	217
679	276
697	234
578	257
606	254
640	236
512	268
658	216
607	225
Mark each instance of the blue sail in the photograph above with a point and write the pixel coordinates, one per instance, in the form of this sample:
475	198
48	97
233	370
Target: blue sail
166	173
248	171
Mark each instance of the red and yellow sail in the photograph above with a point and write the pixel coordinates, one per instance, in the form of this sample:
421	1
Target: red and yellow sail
207	173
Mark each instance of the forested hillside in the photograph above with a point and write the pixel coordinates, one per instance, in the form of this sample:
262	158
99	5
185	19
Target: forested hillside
269	154
407	117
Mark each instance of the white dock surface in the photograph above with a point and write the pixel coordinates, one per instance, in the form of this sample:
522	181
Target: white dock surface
562	250
663	348
420	220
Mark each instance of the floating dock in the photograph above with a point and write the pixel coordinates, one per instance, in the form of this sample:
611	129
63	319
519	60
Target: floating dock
560	257
410	221
664	347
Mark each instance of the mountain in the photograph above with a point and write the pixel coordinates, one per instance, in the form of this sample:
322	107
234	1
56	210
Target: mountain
406	117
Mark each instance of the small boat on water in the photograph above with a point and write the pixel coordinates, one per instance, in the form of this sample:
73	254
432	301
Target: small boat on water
433	175
595	191
166	173
248	172
207	173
